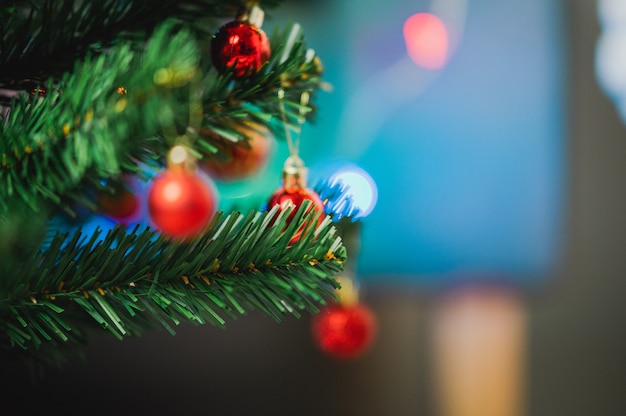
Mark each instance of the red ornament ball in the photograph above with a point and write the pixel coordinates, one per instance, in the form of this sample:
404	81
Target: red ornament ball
123	205
295	198
243	159
181	203
345	332
240	45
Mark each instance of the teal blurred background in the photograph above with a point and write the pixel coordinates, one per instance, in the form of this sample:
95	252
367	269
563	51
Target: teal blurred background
469	158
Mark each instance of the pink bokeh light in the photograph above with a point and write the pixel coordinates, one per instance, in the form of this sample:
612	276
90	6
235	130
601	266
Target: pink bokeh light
427	40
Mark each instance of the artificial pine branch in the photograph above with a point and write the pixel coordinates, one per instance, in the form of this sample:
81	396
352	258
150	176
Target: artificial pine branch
43	38
129	281
114	102
79	133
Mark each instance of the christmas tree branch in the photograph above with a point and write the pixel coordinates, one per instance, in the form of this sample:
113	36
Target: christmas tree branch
128	282
84	129
118	83
78	134
292	68
43	38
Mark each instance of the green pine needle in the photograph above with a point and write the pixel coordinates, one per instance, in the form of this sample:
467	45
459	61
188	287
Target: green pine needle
127	282
124	81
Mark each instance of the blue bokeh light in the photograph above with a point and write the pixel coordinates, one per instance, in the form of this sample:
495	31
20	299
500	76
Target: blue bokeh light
360	186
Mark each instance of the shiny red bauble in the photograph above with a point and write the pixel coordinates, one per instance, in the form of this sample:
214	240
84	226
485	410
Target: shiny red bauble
295	198
242	159
345	332
181	203
239	45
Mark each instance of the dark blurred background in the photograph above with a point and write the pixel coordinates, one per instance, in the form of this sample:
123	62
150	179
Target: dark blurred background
576	363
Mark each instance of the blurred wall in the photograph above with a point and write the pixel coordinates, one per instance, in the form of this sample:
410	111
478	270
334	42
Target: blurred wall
578	341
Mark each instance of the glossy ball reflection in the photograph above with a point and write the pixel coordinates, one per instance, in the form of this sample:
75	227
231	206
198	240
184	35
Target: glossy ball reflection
239	45
180	203
295	199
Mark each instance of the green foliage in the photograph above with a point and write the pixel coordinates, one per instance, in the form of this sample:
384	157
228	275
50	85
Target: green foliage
44	37
82	131
127	282
100	90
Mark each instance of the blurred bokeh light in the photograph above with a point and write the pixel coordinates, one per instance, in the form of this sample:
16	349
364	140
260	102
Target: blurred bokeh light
360	187
610	59
426	40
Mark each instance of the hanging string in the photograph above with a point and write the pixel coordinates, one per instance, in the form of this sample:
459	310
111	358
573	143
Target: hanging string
182	154
293	145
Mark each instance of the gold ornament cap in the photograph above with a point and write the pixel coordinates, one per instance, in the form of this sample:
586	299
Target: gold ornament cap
252	14
180	158
294	174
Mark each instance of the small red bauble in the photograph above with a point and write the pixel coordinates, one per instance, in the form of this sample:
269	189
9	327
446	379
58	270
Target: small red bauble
295	198
240	45
243	159
294	193
122	206
344	332
181	203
